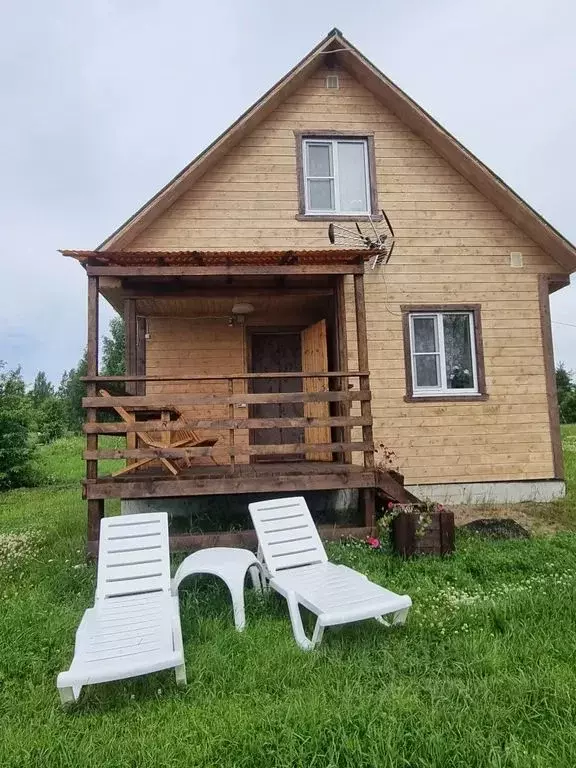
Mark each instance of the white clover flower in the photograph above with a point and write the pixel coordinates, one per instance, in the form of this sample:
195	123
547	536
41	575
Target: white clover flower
17	547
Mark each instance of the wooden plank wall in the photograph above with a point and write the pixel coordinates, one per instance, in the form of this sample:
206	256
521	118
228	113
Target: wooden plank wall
453	246
180	346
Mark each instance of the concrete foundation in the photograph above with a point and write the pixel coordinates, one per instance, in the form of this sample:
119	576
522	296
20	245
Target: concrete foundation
510	492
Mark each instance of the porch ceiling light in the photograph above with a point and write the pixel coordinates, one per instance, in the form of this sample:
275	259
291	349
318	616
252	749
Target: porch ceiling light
242	308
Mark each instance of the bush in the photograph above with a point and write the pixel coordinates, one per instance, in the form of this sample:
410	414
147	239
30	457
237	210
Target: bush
16	447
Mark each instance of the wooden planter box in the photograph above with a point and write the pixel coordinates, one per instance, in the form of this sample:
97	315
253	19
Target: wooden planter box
436	539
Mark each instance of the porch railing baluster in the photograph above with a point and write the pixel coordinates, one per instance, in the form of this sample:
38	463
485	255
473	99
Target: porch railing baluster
232	431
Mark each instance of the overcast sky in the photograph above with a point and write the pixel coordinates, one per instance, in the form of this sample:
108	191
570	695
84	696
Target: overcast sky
103	101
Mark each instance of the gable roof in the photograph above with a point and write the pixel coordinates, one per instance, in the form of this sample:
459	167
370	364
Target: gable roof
413	116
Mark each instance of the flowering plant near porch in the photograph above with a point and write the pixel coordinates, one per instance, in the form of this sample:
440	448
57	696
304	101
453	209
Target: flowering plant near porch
423	510
417	528
423	514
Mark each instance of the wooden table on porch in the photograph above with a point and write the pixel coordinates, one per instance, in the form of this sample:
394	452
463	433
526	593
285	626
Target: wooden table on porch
144	413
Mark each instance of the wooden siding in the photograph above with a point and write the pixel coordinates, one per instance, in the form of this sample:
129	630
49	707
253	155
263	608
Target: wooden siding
178	346
193	337
453	246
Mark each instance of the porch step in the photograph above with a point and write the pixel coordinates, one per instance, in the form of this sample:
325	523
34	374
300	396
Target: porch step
391	486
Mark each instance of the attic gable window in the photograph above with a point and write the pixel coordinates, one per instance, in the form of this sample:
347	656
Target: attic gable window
336	175
443	351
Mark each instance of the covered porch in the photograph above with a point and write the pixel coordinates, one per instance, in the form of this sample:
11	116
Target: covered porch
271	390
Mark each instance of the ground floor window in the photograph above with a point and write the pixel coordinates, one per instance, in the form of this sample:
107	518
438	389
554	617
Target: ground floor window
443	352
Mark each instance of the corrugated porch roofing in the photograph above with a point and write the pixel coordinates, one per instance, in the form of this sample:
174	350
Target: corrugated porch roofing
224	258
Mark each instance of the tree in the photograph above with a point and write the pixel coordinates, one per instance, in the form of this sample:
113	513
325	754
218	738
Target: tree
41	389
564	382
51	420
16	448
113	349
71	391
568	408
48	411
566	388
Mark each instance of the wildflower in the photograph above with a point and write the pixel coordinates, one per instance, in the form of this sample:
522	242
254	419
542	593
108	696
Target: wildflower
17	547
372	542
390	504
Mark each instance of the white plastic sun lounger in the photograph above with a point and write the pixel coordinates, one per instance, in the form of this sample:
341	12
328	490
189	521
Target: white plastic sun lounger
297	566
134	627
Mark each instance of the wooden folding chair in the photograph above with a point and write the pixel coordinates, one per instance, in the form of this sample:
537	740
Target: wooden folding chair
179	439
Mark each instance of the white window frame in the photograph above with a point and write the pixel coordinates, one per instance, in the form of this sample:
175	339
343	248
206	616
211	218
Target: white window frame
335	177
442	389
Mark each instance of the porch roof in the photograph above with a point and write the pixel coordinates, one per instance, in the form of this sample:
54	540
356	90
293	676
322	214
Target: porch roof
198	258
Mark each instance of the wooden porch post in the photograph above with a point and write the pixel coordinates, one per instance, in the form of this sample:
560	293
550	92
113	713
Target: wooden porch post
141	327
369	494
130	345
95	506
343	409
130	362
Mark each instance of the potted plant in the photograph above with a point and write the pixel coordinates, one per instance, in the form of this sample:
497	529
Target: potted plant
417	529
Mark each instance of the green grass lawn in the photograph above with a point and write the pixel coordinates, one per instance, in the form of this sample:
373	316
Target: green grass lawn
563	511
483	674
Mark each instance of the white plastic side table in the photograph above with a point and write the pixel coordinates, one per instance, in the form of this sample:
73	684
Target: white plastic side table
231	565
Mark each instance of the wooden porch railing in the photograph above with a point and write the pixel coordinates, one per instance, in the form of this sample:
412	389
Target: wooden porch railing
343	393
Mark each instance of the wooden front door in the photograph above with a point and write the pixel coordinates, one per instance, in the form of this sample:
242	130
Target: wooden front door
276	352
315	360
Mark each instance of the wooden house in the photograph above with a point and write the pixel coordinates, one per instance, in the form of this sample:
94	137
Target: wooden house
299	356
